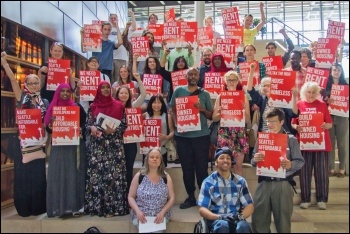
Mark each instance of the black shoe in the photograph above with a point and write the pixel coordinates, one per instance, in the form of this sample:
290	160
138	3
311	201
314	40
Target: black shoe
189	202
176	161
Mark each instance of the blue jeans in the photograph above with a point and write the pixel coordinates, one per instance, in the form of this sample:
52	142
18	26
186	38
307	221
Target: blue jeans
221	226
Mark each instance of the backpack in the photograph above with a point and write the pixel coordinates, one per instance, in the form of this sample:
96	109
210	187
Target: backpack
141	178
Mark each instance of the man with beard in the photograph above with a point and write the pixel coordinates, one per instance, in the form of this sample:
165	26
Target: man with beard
225	213
128	46
193	147
295	65
206	57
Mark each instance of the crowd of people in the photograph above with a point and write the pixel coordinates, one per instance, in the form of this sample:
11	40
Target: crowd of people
96	177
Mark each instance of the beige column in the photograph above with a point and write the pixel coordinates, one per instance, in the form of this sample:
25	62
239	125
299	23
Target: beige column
199	14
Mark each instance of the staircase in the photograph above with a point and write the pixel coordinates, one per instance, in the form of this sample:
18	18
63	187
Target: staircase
312	220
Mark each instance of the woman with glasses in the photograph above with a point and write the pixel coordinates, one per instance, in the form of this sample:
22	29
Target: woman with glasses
56	52
29	178
233	137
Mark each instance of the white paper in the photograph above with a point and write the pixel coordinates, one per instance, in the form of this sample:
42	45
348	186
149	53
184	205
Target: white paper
151	226
107	121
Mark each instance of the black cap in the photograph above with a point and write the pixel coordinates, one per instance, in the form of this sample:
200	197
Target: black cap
224	150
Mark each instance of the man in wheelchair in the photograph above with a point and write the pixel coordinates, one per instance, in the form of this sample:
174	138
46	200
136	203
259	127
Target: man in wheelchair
224	199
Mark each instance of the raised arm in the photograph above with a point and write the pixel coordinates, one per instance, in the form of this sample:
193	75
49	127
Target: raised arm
119	42
134	63
263	19
15	86
217	109
290	47
133	21
42	74
138	102
251	77
164	57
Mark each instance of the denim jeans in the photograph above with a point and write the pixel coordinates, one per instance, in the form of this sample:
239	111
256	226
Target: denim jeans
221	226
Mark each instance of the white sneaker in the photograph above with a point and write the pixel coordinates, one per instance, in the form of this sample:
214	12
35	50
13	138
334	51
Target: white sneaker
305	205
321	205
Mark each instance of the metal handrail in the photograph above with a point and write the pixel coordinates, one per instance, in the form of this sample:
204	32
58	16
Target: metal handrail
298	35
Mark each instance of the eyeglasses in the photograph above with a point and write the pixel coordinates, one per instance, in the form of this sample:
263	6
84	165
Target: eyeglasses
93	61
58	44
267	85
206	55
32	84
232	81
271	122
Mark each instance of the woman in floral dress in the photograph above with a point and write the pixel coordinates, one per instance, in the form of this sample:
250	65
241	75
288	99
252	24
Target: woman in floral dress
106	187
233	137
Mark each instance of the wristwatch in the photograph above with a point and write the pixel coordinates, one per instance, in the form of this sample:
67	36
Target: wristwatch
240	217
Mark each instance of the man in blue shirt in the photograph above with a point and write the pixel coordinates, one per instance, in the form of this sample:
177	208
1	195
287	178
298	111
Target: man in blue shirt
224	199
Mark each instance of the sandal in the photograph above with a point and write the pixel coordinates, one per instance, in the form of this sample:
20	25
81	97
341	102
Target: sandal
341	174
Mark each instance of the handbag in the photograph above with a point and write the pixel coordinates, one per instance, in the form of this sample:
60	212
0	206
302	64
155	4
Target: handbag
31	153
171	150
213	132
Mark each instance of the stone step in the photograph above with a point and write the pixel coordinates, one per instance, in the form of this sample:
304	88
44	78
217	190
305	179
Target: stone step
175	172
182	221
335	197
334	213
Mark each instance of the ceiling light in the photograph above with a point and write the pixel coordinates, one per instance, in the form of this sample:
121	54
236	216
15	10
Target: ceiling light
133	3
179	2
162	2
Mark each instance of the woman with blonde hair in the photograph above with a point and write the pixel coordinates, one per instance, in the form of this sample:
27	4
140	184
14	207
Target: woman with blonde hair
233	137
152	191
314	159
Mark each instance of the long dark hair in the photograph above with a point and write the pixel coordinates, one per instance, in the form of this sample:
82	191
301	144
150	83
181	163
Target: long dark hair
128	102
342	80
149	109
175	68
147	70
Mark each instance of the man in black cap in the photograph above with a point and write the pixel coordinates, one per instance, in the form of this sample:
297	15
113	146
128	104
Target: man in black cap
224	199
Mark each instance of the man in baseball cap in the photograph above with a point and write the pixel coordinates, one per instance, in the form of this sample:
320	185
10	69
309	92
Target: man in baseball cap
225	213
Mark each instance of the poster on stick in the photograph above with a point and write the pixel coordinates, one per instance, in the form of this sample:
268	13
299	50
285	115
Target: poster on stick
320	76
59	72
66	125
312	135
272	63
172	33
340	105
179	78
153	84
205	36
274	147
152	129
158	32
227	48
213	83
135	131
336	30
140	45
232	109
187	116
92	38
326	51
282	83
30	127
244	70
89	83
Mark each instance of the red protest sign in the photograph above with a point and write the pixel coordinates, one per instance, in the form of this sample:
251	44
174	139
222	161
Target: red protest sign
272	63
90	81
179	78
312	135
158	32
340	105
131	86
232	109
153	84
152	130
92	38
234	32
336	30
188	33
205	36
274	147
30	127
172	33
230	16
66	125
281	86
59	72
213	83
135	131
325	52
320	76
169	15
244	70
140	45
227	48
187	116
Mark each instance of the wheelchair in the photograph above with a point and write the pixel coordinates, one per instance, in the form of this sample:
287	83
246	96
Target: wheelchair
201	227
